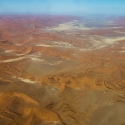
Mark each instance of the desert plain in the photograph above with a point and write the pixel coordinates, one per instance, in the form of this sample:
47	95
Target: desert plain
62	70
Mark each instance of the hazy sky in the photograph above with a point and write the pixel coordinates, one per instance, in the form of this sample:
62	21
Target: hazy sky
63	6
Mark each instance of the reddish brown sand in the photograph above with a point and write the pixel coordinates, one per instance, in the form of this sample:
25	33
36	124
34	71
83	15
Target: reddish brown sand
62	70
